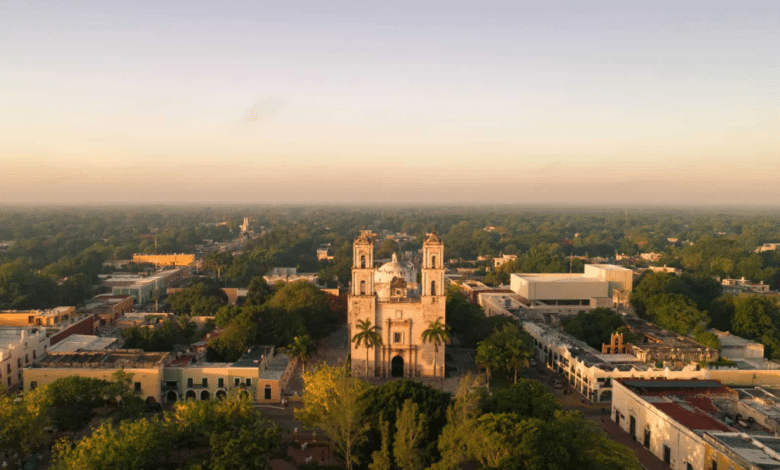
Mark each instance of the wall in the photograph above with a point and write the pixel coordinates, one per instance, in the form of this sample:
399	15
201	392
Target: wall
149	378
684	444
85	326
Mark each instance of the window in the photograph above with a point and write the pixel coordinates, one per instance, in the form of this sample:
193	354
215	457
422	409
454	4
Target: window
26	358
433	261
248	382
647	438
8	367
34	355
714	465
205	382
399	314
433	287
33	385
363	261
19	362
362	287
688	466
189	383
667	455
221	382
237	382
138	386
267	392
398	337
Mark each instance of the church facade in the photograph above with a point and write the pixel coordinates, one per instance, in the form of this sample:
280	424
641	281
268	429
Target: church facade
391	298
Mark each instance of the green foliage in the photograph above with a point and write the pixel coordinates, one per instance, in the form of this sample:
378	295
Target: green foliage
594	327
332	405
386	249
301	348
677	313
168	333
385	402
73	399
467	321
708	339
381	459
526	398
203	298
409	432
437	333
258	292
758	318
368	337
507	349
22	423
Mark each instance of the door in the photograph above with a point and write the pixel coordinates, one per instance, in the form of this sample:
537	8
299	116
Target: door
397	367
632	427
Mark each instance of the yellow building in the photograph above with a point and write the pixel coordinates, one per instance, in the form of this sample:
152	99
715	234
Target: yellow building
54	317
177	259
740	451
146	368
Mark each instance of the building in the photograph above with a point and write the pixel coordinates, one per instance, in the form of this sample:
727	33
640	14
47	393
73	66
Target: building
471	289
504	259
146	368
325	252
591	372
739	450
665	269
669	417
19	348
176	259
141	289
734	347
666	347
52	318
78	343
601	285
109	308
767	247
261	374
391	300
739	286
288	275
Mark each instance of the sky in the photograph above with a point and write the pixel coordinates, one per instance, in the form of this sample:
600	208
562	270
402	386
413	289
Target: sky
498	102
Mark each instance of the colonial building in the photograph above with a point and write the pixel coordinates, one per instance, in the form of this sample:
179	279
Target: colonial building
400	308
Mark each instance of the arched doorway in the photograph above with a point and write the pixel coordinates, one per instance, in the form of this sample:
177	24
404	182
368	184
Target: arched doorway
397	367
190	395
171	396
221	394
204	395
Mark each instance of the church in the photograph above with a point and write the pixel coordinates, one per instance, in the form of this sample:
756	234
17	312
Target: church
400	307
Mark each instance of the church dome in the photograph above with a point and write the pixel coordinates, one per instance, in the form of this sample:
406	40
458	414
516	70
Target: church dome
393	269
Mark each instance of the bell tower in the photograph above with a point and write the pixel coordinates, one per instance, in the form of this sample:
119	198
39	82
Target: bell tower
432	266
363	265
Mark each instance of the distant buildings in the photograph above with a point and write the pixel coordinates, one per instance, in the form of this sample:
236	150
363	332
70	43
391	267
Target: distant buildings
740	286
288	275
767	247
171	260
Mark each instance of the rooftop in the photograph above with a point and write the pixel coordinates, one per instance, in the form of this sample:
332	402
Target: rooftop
276	367
75	343
254	357
761	451
115	359
556	277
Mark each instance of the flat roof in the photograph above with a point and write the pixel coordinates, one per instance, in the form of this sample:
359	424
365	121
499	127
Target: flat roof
751	448
114	359
609	267
74	343
557	277
254	357
276	367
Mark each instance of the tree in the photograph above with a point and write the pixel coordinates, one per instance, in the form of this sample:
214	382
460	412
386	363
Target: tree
331	404
525	398
258	292
676	312
302	349
594	327
73	399
368	337
386	400
437	333
488	357
409	431
22	423
381	459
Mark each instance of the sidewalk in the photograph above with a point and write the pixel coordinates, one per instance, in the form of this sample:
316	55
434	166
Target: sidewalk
646	458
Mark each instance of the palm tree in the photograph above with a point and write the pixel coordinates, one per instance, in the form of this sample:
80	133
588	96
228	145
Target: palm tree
188	328
367	336
437	333
302	348
488	357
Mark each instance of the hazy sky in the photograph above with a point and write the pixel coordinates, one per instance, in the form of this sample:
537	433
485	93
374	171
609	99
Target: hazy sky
391	101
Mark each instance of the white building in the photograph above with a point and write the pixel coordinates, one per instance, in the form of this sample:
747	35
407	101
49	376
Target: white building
669	417
19	348
589	371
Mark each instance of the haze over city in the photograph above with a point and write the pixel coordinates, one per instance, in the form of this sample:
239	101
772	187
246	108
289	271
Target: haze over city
403	102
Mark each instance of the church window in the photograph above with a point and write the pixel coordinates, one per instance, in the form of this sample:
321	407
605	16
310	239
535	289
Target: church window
399	314
398	337
433	287
433	261
363	261
362	287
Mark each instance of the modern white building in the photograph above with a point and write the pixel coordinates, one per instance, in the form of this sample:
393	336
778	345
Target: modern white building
596	287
